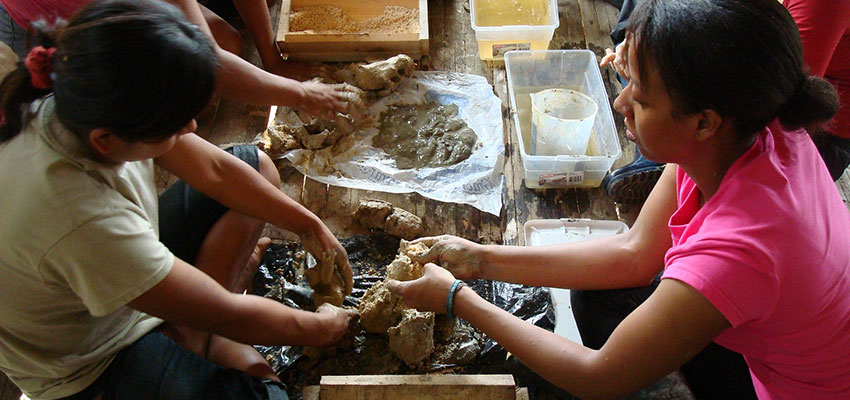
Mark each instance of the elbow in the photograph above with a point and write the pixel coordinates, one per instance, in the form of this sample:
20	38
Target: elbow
599	381
642	263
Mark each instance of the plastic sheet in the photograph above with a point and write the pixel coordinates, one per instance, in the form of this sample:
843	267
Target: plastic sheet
279	278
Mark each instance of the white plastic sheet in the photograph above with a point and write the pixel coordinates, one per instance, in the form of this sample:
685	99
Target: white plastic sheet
476	181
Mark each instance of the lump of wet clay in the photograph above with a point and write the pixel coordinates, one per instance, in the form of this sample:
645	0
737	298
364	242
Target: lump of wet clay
403	224
379	214
380	309
383	76
412	340
373	213
325	279
403	268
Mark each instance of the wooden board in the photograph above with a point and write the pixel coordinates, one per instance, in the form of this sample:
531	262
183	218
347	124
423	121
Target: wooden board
404	387
351	46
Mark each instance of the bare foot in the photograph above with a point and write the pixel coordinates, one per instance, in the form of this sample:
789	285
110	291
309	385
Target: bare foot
244	283
231	354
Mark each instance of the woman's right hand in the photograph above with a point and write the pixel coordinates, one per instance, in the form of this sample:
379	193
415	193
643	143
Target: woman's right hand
321	100
339	324
461	257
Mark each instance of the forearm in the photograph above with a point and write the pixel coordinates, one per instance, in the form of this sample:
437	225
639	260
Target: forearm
602	263
242	189
257	320
561	361
255	13
243	81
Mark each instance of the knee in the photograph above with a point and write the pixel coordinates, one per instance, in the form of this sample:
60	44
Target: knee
268	169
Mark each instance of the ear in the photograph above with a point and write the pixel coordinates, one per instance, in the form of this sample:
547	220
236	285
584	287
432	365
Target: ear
708	124
102	141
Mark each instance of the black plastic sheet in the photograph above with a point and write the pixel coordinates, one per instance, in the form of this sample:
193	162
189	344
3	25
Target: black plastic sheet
278	278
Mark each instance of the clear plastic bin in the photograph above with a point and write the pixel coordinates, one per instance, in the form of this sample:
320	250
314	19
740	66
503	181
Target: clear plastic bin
532	71
511	34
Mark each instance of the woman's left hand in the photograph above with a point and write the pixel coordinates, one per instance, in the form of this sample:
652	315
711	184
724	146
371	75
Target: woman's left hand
331	257
428	293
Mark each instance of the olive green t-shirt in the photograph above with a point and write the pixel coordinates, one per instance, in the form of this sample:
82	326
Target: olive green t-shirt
79	239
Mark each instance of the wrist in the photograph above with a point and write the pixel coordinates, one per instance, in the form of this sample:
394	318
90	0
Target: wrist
456	287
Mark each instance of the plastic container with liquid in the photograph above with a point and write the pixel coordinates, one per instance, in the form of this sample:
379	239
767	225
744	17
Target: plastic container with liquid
504	25
561	122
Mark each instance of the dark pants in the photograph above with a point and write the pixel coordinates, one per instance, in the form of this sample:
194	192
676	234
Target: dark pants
155	367
834	151
715	373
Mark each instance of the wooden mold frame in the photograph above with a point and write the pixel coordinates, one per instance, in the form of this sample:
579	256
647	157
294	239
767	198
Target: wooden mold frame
416	387
353	46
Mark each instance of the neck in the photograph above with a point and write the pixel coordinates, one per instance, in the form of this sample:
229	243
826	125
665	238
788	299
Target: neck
712	162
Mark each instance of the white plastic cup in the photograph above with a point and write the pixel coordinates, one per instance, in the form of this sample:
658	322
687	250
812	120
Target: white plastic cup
561	122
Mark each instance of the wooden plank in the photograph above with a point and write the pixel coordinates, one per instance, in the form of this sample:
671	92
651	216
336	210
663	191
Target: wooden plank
404	387
522	393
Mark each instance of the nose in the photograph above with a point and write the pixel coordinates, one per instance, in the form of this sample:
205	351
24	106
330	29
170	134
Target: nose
623	102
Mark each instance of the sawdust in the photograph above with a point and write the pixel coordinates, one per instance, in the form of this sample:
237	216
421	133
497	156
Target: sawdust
331	19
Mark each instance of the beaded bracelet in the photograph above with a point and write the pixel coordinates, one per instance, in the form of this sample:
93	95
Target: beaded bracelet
456	286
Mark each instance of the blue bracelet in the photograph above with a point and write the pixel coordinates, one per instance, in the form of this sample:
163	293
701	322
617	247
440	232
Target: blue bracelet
456	286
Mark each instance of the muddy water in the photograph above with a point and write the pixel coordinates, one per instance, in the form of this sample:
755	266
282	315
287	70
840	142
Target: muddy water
424	135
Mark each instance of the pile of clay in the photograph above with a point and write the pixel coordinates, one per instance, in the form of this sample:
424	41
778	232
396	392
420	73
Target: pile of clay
414	336
331	19
382	215
360	84
425	135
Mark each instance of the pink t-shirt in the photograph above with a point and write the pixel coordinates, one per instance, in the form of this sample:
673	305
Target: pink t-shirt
771	250
25	11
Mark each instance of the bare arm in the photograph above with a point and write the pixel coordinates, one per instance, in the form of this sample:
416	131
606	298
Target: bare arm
671	327
233	183
188	297
243	81
627	260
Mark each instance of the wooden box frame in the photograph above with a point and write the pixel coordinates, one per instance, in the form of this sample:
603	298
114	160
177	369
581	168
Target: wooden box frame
348	46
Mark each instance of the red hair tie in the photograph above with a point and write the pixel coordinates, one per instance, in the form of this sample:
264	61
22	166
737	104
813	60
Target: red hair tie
39	62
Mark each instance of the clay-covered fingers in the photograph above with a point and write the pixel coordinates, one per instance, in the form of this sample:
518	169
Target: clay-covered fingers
428	293
343	267
433	253
321	100
338	323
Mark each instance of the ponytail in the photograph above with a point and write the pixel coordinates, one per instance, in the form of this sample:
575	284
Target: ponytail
31	80
812	106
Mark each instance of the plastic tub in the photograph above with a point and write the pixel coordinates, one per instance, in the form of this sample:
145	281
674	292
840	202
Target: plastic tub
542	232
532	71
504	25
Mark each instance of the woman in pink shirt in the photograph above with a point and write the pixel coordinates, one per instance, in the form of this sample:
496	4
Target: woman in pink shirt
745	229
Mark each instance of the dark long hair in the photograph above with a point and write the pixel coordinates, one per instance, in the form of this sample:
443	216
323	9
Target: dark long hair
134	67
740	58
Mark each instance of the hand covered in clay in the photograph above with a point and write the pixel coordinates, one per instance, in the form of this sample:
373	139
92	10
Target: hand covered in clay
459	256
331	277
341	324
321	100
618	58
428	293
